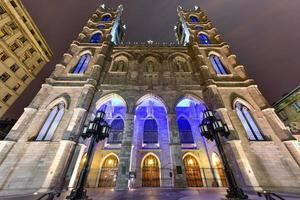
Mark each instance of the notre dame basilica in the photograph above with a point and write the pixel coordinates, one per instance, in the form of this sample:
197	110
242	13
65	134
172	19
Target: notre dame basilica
154	96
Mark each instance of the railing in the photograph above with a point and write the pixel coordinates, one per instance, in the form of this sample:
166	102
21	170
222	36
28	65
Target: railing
270	195
49	196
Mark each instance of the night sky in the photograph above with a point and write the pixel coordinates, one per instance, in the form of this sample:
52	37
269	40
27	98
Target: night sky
264	34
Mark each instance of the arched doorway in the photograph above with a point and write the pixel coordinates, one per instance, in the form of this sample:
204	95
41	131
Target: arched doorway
150	172
218	169
109	170
192	171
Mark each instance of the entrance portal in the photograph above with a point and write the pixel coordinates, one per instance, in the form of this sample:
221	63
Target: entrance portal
150	172
109	170
192	171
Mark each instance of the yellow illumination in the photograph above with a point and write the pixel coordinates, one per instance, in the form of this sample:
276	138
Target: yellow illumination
150	162
110	162
190	162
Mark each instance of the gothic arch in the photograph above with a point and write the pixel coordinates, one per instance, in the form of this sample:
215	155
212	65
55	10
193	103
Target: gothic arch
114	65
194	156
191	96
153	55
105	98
152	154
105	157
149	96
215	53
238	98
128	55
65	98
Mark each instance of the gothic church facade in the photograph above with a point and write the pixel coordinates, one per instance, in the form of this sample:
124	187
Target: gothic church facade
154	96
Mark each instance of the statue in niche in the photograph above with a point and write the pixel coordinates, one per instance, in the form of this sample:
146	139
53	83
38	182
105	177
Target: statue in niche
120	66
180	65
150	66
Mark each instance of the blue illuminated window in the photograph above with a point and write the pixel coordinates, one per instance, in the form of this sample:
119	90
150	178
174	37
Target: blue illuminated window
199	28
185	131
248	122
96	38
217	64
105	18
203	39
194	19
51	123
82	64
101	26
150	131
117	128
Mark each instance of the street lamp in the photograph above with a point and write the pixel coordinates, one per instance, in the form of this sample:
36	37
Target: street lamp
210	128
98	129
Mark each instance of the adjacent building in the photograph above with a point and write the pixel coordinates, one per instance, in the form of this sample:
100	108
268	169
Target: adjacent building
23	51
288	110
154	96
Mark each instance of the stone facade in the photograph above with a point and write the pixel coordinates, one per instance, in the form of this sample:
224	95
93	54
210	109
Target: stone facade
139	84
23	52
288	110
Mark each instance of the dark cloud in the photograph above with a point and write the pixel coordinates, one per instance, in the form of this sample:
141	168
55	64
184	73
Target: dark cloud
264	34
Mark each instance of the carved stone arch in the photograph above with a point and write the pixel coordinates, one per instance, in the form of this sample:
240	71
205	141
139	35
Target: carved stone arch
157	56
120	64
188	95
180	62
215	53
194	156
65	98
151	95
234	98
107	97
104	14
193	15
152	154
151	64
202	32
129	55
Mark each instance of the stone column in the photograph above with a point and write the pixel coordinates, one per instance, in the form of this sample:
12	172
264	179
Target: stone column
125	153
179	178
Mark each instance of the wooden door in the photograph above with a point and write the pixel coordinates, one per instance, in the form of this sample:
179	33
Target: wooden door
150	172
192	171
109	172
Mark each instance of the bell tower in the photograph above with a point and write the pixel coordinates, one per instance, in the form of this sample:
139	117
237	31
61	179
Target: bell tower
42	146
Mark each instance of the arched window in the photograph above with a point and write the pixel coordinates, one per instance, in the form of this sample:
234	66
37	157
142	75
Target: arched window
217	64
47	131
185	131
96	38
105	18
82	64
203	39
193	19
248	122
150	131
102	26
117	128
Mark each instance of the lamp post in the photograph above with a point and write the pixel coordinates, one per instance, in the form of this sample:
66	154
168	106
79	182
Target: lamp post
98	129
211	128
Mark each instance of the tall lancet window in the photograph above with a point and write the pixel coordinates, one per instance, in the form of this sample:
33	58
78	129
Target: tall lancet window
82	64
217	64
248	122
47	131
150	131
185	131
117	128
96	38
194	19
203	39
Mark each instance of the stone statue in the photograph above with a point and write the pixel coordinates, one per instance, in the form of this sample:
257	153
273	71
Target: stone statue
180	66
150	66
120	66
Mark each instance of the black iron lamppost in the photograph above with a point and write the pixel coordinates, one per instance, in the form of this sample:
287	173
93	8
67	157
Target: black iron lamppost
210	128
98	129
